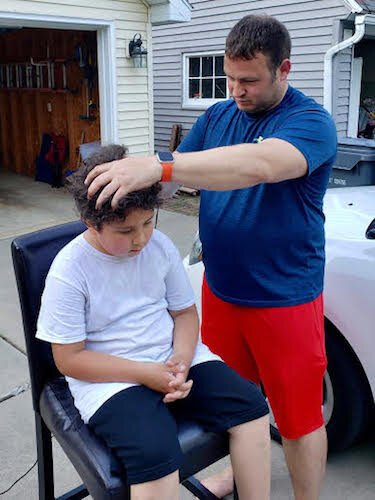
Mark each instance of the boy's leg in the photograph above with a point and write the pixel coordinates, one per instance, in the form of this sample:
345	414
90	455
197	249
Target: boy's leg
139	428
166	488
250	454
221	400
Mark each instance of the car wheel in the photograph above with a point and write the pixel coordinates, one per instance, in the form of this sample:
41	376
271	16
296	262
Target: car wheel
347	399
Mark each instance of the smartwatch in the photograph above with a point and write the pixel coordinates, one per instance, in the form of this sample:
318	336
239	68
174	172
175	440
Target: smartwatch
166	160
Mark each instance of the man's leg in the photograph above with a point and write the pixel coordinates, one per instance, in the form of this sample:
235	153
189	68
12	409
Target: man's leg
286	344
290	354
306	460
221	332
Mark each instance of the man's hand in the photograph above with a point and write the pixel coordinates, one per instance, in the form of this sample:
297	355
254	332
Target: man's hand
120	177
179	388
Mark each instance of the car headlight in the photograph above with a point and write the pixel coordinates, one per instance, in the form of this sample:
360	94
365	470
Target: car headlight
195	255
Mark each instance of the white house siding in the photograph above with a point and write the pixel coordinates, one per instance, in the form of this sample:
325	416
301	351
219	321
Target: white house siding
341	90
309	22
129	17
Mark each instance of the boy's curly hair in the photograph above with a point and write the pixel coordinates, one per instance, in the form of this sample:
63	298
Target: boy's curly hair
146	199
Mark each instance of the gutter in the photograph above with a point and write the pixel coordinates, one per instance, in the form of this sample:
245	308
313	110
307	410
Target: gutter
360	24
353	6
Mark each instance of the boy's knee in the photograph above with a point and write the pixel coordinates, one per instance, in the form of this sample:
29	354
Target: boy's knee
259	425
154	455
152	461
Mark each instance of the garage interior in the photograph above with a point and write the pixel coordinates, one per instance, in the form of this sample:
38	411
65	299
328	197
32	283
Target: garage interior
49	100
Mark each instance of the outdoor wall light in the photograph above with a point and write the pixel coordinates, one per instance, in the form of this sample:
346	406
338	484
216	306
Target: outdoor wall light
137	52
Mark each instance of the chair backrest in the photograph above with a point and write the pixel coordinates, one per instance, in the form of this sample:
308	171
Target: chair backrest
32	257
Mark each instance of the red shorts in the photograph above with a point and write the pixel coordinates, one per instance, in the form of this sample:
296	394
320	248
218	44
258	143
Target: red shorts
281	347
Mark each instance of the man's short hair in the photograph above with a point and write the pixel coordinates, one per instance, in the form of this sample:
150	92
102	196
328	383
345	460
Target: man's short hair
264	34
146	199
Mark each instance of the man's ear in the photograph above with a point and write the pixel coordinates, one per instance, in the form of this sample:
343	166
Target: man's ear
284	69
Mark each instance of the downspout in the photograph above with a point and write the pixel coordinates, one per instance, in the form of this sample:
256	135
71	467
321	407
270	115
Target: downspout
331	52
353	6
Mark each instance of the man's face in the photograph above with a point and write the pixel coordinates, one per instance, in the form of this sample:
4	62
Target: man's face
252	85
124	238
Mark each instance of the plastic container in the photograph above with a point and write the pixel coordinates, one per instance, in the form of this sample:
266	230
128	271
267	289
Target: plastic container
355	163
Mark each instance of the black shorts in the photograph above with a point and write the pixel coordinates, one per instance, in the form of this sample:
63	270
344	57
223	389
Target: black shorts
142	431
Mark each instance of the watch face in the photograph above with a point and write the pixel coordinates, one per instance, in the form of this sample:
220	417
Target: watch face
165	156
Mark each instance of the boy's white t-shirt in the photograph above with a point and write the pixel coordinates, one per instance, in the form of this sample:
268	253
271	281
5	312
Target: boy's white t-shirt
118	306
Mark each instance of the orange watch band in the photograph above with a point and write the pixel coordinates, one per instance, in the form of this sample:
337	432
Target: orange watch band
166	175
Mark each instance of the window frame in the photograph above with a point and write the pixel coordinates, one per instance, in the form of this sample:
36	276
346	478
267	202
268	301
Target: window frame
188	102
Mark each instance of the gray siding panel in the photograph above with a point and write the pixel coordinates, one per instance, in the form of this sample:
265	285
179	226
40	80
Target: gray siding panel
342	76
310	23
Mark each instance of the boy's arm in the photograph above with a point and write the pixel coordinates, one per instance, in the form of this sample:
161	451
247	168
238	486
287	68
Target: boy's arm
185	334
185	338
74	360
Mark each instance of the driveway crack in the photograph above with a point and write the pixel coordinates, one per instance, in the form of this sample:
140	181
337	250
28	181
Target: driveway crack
15	392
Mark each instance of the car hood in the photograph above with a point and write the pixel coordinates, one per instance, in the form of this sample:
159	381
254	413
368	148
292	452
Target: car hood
349	211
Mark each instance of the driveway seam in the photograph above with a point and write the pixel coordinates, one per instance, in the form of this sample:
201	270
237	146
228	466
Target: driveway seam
20	389
12	344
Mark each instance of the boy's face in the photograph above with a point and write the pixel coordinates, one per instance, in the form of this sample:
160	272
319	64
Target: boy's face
124	238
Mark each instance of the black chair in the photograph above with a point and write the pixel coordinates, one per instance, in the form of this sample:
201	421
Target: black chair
55	413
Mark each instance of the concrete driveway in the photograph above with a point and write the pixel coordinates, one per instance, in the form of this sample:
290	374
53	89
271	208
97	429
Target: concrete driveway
26	206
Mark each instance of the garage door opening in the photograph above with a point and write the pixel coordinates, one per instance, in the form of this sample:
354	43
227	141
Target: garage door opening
49	99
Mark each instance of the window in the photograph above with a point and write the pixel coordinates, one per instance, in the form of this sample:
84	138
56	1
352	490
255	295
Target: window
204	80
361	121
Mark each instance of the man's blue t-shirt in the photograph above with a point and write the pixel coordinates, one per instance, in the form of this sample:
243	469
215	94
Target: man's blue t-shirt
264	246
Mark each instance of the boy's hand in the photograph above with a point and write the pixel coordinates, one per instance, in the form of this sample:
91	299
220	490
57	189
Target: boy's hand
180	393
179	388
177	364
156	376
168	378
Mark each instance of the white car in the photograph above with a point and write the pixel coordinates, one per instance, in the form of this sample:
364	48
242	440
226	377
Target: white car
349	297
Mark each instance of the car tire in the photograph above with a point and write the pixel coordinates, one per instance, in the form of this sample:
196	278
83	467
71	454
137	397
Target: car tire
350	399
348	403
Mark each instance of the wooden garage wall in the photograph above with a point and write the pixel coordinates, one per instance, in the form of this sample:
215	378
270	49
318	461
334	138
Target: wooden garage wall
134	116
27	113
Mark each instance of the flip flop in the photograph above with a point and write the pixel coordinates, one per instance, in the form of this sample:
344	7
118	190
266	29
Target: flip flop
198	489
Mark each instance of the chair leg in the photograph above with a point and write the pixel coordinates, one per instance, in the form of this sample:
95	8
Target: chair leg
45	460
76	494
235	493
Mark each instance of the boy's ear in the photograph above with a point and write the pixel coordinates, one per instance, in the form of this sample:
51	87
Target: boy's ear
88	223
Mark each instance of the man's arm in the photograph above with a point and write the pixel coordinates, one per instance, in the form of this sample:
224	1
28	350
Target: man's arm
240	166
74	360
219	169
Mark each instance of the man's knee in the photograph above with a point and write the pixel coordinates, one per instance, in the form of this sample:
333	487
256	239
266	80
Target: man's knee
317	433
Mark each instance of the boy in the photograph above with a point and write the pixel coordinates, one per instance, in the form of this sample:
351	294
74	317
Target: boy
119	312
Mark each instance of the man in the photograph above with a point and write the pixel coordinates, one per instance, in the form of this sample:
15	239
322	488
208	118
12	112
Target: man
262	160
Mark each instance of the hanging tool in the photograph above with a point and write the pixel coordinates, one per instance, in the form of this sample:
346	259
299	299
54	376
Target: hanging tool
79	158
